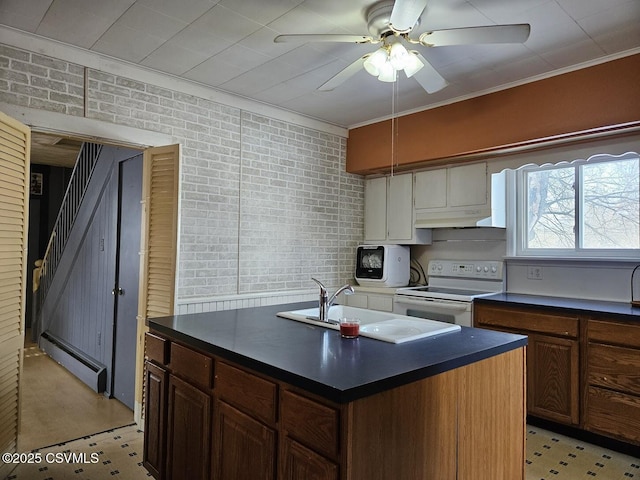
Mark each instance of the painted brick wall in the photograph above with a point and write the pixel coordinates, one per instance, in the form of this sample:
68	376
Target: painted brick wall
265	204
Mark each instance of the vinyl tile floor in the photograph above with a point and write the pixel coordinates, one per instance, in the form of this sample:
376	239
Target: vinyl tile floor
551	456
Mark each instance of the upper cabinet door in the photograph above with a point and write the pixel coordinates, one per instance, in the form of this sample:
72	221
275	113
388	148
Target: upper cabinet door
389	212
468	185
375	209
400	208
431	188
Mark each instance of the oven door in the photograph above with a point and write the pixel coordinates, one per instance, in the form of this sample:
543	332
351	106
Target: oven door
450	311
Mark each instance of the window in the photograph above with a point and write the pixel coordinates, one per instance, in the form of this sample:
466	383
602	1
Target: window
586	208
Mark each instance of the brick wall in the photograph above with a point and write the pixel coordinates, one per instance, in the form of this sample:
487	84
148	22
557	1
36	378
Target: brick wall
265	204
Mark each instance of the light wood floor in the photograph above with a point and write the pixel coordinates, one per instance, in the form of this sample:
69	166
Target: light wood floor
57	407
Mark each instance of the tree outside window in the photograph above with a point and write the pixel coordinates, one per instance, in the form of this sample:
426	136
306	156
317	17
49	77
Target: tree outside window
587	207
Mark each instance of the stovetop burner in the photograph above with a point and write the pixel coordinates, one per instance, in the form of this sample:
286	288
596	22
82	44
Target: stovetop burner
453	291
459	280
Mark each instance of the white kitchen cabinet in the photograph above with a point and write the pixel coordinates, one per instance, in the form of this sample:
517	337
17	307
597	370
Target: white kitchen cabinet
452	196
389	213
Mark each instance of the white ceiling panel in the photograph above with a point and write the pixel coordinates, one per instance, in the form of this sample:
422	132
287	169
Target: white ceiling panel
243	58
80	22
580	9
185	10
198	38
576	52
213	72
262	41
620	17
442	14
350	16
173	58
621	39
518	11
260	11
127	43
262	77
150	22
23	15
302	20
228	45
226	24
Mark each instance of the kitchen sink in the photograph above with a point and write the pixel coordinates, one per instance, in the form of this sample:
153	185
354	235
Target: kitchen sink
385	326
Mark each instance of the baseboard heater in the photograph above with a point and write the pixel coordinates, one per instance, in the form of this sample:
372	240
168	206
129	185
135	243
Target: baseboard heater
90	372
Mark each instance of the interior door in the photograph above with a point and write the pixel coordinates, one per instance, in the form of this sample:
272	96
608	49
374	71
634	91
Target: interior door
158	249
15	141
127	280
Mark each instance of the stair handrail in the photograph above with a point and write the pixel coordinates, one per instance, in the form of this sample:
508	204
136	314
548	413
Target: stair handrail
76	188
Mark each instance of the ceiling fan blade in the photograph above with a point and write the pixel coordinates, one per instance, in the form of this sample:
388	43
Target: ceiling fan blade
428	77
517	33
306	38
343	75
405	14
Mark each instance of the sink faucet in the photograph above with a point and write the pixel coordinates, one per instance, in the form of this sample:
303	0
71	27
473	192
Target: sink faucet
326	301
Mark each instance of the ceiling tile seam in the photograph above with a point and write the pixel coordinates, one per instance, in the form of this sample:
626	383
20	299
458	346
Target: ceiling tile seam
112	24
577	23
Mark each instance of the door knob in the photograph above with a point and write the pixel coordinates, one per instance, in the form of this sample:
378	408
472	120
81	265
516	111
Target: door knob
117	291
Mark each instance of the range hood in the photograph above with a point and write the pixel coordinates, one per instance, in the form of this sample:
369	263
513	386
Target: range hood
491	214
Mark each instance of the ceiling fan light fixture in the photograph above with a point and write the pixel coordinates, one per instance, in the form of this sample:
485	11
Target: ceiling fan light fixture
387	73
412	64
376	61
398	56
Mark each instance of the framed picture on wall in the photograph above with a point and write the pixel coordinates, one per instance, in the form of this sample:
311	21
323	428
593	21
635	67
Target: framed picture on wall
36	184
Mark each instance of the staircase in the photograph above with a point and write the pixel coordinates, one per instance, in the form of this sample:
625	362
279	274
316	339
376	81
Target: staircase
85	164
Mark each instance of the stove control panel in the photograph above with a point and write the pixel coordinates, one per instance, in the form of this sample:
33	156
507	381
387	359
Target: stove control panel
476	269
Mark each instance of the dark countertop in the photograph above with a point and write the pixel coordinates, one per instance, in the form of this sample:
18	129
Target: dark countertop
573	304
318	359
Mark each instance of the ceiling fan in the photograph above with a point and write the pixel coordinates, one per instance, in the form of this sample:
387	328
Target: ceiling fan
391	23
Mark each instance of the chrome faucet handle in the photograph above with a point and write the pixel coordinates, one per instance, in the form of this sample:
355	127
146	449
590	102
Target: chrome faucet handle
323	290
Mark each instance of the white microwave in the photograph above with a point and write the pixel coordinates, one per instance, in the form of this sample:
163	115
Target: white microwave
383	265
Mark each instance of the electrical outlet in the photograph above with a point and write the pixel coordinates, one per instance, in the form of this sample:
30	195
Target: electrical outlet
534	273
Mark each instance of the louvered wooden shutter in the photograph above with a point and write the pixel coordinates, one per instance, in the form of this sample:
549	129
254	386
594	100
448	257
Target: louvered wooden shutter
158	243
160	193
15	142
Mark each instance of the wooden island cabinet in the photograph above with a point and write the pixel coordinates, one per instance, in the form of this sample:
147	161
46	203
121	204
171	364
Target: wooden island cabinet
583	362
210	416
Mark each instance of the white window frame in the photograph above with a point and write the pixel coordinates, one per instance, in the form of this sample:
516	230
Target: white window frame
577	252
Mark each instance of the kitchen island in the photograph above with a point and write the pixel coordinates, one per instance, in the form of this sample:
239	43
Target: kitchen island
244	394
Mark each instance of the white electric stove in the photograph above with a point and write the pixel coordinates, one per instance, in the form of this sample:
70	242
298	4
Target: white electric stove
452	286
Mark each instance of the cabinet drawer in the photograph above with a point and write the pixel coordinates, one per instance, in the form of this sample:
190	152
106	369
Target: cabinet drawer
613	413
157	348
611	332
526	320
192	365
311	423
617	368
250	393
